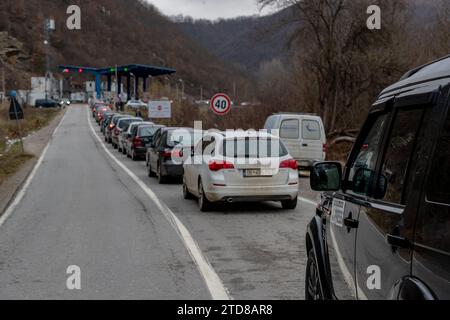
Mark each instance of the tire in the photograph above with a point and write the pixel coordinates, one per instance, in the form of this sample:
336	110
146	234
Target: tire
289	204
203	203
161	179
312	282
119	149
186	193
124	151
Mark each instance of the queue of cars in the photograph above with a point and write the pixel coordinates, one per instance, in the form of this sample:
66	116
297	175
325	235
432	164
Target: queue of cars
214	166
381	229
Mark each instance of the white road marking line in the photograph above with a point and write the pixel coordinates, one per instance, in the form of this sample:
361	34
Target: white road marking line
212	280
21	193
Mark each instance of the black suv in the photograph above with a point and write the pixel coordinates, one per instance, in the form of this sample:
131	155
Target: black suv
382	228
46	103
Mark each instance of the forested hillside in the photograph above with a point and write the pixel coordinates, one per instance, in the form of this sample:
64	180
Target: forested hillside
113	32
246	41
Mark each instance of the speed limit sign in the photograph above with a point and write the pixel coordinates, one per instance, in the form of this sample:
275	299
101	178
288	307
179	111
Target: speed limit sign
221	104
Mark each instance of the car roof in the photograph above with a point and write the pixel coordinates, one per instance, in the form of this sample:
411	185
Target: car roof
242	134
437	69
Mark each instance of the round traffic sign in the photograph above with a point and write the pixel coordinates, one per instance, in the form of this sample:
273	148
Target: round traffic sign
221	104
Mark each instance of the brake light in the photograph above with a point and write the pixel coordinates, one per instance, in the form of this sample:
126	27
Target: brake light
166	154
111	126
325	147
289	164
216	165
137	142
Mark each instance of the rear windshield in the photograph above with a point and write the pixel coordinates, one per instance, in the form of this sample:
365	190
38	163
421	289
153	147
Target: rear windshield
147	131
253	148
126	122
184	137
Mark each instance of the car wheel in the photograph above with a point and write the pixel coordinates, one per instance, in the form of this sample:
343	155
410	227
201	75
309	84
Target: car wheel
124	151
203	202
312	281
161	179
119	149
289	204
186	194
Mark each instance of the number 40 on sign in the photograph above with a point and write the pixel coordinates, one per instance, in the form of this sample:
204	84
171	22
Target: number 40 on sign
221	104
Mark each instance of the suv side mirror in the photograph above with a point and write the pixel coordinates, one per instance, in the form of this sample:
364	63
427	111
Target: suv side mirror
362	183
326	176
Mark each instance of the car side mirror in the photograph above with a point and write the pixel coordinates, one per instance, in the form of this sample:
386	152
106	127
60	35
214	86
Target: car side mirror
326	176
363	180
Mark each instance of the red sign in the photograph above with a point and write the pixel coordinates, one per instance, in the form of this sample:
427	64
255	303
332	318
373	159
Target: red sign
221	104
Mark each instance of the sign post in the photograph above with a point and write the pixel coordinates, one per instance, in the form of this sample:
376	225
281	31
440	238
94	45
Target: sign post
221	104
16	113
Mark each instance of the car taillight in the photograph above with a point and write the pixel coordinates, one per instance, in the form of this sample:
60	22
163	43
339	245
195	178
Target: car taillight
111	126
216	165
325	147
166	154
137	142
289	164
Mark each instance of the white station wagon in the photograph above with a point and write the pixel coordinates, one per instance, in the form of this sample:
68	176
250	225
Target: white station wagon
240	167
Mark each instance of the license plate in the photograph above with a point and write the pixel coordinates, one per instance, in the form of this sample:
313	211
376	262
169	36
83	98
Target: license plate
252	172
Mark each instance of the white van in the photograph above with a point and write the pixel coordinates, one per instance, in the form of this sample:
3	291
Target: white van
303	135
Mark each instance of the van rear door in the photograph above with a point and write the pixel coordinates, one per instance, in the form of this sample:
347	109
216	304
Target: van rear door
312	141
290	135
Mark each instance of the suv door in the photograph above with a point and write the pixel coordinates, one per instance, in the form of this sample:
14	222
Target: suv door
343	222
431	259
387	216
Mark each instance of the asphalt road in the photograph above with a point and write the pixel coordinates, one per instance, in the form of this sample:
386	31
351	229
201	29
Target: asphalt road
82	208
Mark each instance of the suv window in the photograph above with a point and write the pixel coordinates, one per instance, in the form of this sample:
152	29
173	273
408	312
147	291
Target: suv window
369	150
311	130
398	154
290	129
438	188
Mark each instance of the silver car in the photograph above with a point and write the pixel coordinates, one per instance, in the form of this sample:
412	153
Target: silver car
238	167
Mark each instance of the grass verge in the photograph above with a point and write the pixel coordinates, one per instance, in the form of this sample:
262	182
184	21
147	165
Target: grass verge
11	156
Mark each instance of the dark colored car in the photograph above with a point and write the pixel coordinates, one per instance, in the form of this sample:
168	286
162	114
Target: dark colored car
47	103
97	107
160	154
106	121
382	228
140	139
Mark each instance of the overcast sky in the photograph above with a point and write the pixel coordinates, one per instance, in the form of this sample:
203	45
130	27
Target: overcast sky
208	9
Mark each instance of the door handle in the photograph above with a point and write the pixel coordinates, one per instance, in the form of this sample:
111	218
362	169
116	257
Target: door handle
351	223
305	145
398	241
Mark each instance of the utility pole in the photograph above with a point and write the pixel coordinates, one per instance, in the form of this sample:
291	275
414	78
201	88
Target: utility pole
49	25
182	88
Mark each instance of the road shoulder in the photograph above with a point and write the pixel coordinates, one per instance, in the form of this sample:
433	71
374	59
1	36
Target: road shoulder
34	145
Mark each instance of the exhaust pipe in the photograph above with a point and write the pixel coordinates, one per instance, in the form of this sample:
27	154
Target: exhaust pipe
230	200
